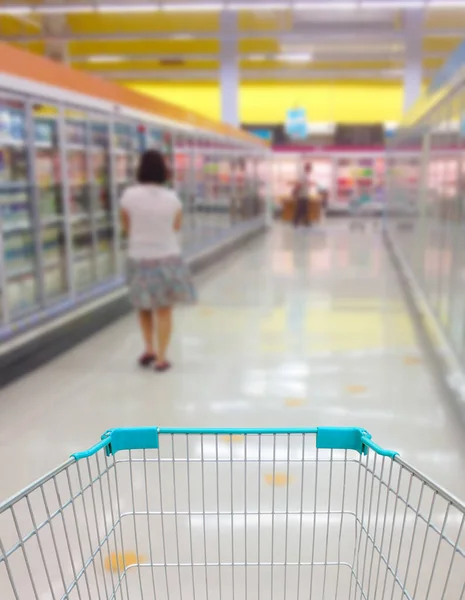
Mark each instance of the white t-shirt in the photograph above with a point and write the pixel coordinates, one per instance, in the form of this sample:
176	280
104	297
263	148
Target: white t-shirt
152	210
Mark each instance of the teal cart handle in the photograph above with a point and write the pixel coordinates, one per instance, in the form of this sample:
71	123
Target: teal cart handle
147	438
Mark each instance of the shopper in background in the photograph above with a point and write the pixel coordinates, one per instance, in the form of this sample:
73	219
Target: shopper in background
302	197
158	276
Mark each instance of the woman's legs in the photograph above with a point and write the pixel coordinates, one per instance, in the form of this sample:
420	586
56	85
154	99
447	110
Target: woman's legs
164	327
146	325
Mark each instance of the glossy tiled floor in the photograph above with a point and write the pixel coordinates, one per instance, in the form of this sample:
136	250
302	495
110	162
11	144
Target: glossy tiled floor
298	329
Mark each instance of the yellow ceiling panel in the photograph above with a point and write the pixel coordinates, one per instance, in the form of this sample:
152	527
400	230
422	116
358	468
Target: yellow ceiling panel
436	44
320	66
27	25
175	47
259	46
155	65
133	23
265	21
433	63
445	19
36	47
142	46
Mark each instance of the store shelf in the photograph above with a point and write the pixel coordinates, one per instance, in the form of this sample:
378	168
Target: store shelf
53	263
52	220
16	226
13	186
81	255
122	152
75	219
12	143
20	272
78	183
71	147
44	146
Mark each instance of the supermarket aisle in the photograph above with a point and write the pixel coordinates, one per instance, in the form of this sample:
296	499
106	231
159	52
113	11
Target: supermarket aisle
305	328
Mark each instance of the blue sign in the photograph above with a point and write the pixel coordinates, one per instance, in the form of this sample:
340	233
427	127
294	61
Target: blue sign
264	134
296	123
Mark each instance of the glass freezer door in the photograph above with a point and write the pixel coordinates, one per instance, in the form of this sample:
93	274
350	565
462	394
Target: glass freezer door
80	208
48	172
124	155
20	269
103	222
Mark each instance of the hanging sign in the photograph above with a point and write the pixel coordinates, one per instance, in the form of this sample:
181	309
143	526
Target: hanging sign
296	125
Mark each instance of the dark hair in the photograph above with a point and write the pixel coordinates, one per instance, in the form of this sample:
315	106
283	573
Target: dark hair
152	168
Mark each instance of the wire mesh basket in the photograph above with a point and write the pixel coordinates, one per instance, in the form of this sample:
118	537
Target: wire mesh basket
171	514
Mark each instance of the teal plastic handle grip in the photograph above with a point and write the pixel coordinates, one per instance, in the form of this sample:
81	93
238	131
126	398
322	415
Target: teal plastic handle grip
235	431
91	451
349	438
145	438
381	451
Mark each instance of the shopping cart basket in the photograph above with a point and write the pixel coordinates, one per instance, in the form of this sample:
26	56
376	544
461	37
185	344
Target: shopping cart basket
171	514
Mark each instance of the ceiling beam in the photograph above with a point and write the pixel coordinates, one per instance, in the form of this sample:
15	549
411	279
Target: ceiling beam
258	75
284	35
314	33
319	57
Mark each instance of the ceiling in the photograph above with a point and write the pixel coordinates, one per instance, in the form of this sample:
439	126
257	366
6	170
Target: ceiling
278	39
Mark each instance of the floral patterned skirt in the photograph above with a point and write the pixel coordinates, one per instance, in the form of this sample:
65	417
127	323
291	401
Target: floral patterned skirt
159	283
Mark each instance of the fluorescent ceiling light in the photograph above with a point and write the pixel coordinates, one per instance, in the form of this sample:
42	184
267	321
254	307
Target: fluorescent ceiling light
393	4
258	6
105	59
192	7
182	36
289	57
49	9
325	5
124	8
446	4
15	10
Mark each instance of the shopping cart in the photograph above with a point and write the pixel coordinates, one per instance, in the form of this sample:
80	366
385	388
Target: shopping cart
173	514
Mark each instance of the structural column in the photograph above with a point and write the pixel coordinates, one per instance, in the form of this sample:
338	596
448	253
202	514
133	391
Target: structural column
54	30
413	74
229	75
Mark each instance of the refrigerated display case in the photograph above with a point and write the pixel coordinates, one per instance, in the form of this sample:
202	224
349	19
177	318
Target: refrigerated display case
426	219
360	184
344	182
20	273
62	172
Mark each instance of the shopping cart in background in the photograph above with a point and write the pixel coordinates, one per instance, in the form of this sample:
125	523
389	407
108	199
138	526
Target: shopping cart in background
172	514
364	211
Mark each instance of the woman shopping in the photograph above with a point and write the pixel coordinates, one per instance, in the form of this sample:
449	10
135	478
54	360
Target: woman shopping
158	276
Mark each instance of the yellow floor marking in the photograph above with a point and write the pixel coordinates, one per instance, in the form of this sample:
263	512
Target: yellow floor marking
280	479
356	389
276	322
341	330
274	347
120	560
235	439
412	360
295	402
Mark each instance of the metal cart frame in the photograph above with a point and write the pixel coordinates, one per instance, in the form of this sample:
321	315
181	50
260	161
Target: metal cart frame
202	514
